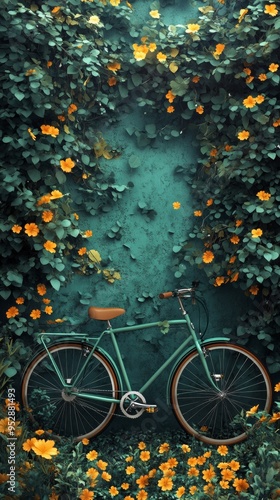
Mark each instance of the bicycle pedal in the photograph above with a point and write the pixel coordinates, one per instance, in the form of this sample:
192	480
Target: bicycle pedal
152	409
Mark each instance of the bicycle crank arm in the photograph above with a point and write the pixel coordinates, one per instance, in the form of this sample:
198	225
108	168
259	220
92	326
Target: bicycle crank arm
144	406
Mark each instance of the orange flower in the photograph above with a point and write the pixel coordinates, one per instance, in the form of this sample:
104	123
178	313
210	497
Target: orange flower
144	456
208	257
30	72
276	123
31	229
254	290
249	79
164	448
140	51
106	476
220	47
46	301
259	99
192	28
130	470
55	10
232	259
192	461
249	102
241	484
213	152
222	450
208	474
82	251
275	417
67	165
41	289
235	239
143	481
248	71
28	444
252	411
114	66
12	312
227	474
209	202
49	130
113	491
193	472
170	109
44	199
196	79
87	233
165	483
271	9
234	277
102	465
47	215
262	77
244	135
263	195
197	213
170	96
228	147
185	448
181	491
50	246
161	57
256	233
242	13
35	314
16	228
152	47
238	222
219	281
20	300
61	118
234	465
92	455
224	484
273	67
277	387
199	110
72	108
112	81
86	494
33	136
49	64
176	205
48	310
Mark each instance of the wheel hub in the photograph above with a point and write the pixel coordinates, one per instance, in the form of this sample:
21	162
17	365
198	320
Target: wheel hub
69	396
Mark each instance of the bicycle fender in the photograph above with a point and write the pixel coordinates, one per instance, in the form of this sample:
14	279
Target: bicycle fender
190	349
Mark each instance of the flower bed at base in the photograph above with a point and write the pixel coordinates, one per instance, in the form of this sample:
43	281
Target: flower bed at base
141	466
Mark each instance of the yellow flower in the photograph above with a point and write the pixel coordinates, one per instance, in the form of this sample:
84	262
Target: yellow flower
271	9
130	470
94	20
224	484
249	102
114	66
277	387
193	490
234	465
252	411
115	3
197	213
241	484
31	229
50	246
244	135
263	195
45	449
16	228
165	483
262	77
199	110
256	233
141	445
242	13
92	473
192	28
33	136
49	130
35	314
102	465
176	205
106	476
181	491
185	448
39	432
254	290
170	109
56	194
140	51
41	289
125	486
47	216
222	450
67	165
155	14
28	444
30	72
12	312
273	67
152	47
161	57
208	257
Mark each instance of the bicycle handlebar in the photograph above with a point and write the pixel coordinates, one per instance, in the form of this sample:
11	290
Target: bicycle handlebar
180	293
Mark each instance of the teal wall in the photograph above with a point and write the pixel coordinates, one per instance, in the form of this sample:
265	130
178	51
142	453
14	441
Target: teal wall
144	253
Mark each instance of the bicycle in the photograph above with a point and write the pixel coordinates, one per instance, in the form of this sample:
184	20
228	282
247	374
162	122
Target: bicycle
79	385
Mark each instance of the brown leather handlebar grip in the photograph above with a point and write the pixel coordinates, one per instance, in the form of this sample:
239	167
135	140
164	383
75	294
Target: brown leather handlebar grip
165	295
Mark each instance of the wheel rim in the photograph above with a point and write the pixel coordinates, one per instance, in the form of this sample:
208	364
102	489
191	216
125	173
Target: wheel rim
66	413
211	416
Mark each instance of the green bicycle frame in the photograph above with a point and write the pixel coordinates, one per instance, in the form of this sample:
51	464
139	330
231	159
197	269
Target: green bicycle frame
121	372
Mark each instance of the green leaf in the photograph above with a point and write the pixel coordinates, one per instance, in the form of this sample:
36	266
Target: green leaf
34	174
55	283
10	371
134	161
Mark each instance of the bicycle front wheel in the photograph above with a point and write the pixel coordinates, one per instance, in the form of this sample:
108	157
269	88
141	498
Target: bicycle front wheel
211	415
53	407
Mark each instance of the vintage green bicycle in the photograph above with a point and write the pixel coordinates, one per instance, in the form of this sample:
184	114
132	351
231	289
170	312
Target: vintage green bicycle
79	385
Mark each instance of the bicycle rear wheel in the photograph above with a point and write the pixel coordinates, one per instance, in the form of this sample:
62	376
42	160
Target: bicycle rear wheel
214	416
66	414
